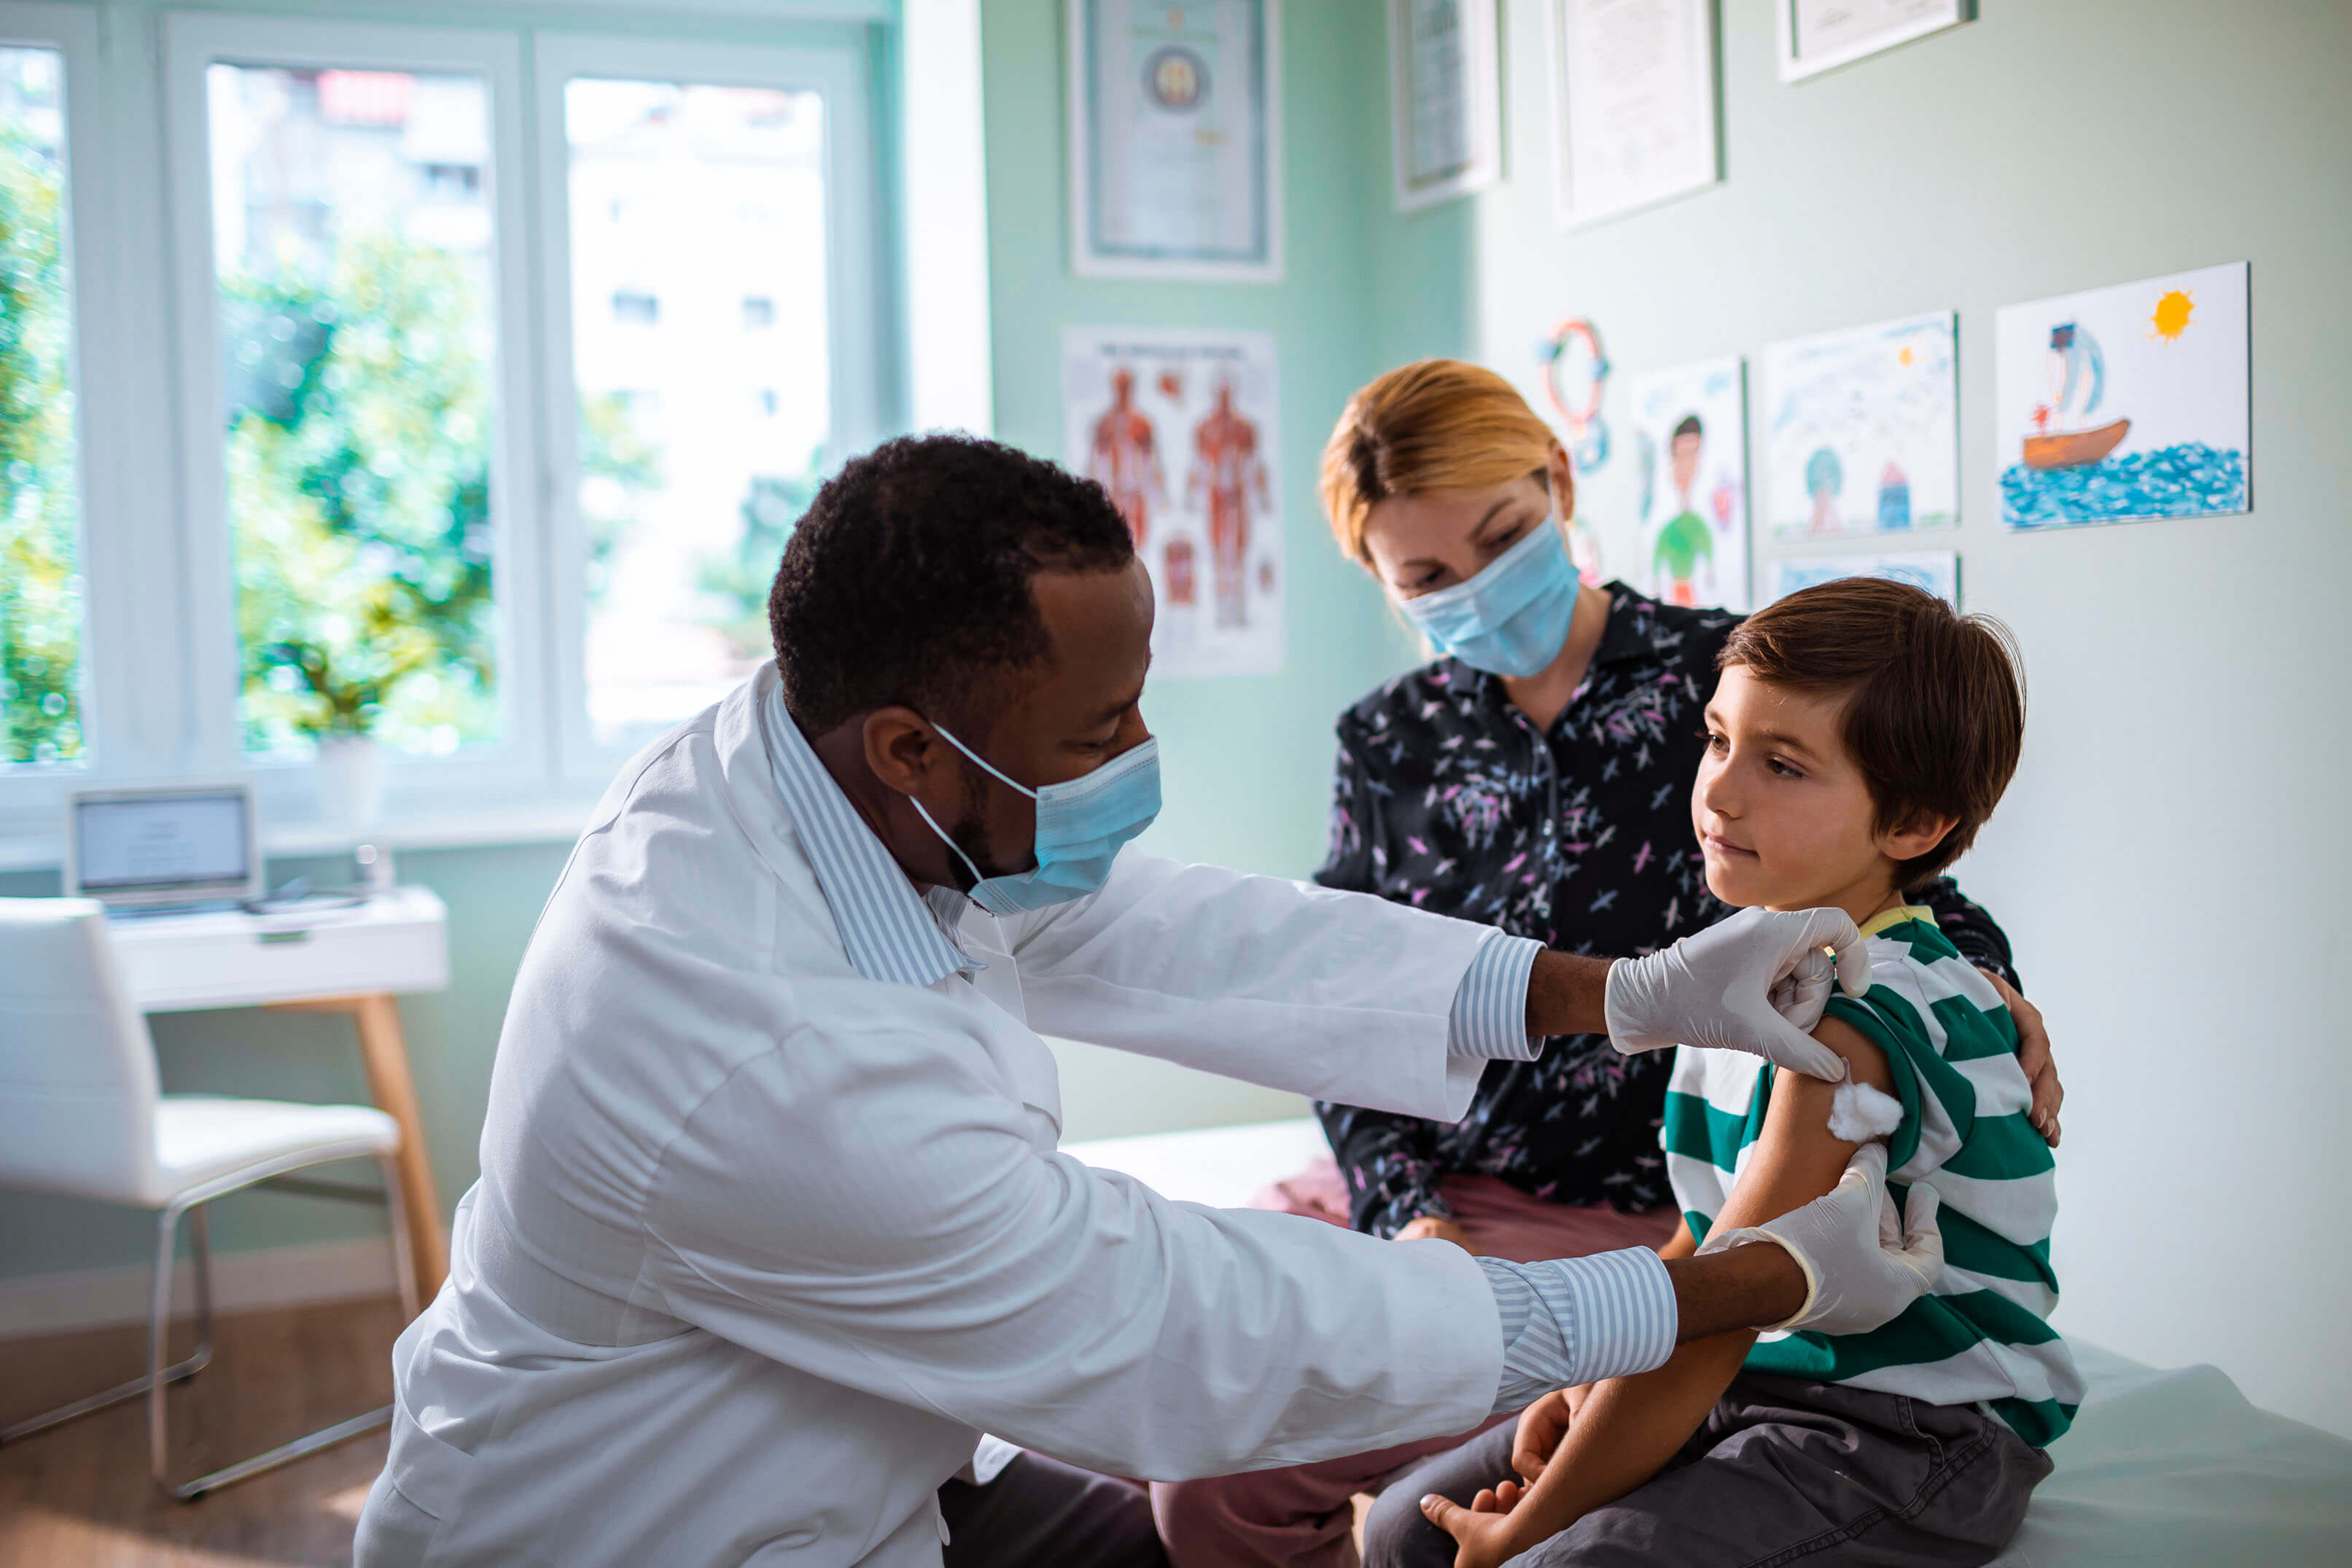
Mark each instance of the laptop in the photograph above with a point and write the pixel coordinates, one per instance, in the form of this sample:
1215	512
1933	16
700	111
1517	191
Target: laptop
146	850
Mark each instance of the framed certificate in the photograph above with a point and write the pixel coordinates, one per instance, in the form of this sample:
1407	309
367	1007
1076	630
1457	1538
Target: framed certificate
1634	117
1818	35
1176	139
1446	104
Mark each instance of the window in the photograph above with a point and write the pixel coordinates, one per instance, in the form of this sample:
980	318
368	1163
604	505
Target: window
41	576
356	291
323	249
686	497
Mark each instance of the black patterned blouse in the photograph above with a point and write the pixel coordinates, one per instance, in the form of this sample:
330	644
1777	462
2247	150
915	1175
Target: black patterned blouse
1448	799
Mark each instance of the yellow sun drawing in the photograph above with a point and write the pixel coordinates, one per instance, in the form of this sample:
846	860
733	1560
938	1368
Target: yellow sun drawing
2172	312
1903	358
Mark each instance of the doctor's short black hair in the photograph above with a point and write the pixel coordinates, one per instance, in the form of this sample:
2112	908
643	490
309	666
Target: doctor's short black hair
907	581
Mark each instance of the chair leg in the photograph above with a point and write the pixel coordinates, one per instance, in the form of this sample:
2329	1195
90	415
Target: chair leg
158	1377
325	1437
158	1326
178	1372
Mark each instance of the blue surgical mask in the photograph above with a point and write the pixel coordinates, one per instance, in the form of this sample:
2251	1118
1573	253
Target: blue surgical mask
1512	618
1082	824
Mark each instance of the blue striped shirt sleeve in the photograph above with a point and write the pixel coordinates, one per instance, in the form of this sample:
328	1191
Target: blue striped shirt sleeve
1578	1319
1489	1021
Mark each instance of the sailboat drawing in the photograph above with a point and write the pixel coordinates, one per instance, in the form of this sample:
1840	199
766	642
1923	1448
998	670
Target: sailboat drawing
2173	351
2078	383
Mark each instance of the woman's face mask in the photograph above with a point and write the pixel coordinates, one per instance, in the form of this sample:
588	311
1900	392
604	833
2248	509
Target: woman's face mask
1082	824
1513	618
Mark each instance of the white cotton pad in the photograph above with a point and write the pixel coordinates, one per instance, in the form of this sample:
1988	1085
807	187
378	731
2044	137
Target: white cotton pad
1859	1113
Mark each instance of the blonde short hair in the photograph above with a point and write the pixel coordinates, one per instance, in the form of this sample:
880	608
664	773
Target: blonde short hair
1436	425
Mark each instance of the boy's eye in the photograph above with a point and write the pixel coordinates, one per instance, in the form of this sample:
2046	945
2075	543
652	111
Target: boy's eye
1784	770
1714	742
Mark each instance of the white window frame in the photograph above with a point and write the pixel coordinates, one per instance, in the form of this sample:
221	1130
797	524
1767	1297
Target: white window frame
909	345
512	767
855	337
109	691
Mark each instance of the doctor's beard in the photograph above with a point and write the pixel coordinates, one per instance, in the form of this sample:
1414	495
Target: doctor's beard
968	834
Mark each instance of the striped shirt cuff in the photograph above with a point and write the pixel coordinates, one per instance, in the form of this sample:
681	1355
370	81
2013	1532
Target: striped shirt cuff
1578	1319
1489	1021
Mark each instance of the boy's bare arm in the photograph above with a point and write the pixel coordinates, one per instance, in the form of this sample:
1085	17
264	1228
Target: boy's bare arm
1628	1428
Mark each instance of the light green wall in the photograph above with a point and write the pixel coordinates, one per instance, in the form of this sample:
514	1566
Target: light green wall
1248	759
2169	859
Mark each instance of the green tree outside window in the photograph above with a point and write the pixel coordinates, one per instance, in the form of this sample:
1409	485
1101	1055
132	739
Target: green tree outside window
40	583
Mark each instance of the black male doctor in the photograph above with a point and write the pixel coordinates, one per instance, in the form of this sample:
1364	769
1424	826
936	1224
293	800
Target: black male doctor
771	1226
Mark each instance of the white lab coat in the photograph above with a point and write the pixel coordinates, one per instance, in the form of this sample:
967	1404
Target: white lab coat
760	1246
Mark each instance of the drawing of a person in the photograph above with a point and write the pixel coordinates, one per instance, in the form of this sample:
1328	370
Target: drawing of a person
1123	456
1685	542
1227	467
1824	477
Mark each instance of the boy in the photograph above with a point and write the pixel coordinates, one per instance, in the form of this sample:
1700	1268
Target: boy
1860	736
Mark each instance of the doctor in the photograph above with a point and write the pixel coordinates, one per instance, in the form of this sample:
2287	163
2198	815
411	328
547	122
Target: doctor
771	1226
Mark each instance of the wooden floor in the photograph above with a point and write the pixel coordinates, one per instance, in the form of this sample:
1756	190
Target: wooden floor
78	1496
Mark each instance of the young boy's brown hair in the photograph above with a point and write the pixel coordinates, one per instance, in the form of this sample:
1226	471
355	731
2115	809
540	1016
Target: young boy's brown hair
1936	717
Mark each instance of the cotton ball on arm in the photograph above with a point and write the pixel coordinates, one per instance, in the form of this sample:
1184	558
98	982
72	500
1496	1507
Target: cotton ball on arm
1859	1113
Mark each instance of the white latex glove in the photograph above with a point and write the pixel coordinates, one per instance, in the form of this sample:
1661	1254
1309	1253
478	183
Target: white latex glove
1860	1268
1757	982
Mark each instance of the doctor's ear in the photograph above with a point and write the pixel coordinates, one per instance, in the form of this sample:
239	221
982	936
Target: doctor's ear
903	750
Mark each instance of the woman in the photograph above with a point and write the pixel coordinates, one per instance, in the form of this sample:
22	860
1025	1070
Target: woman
1536	776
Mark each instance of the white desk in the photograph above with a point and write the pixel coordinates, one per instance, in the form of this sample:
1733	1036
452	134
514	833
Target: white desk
350	961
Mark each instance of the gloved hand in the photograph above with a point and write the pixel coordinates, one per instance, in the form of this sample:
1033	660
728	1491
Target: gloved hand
1860	1269
1757	982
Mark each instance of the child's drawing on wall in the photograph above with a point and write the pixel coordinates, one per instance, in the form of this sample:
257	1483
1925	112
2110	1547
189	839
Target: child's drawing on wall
1690	427
1862	430
2125	403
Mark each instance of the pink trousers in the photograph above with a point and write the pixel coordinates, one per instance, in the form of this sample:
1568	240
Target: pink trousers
1303	1517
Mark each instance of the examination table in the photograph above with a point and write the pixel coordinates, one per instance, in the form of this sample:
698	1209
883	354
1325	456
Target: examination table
2170	1468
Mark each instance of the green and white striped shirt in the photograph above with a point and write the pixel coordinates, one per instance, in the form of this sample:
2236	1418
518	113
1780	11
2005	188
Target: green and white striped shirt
1982	1334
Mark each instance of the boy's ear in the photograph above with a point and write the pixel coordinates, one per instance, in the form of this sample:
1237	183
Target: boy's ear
1918	834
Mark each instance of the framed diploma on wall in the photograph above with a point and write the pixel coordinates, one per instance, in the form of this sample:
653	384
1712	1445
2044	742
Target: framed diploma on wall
1446	101
1818	35
1176	139
1635	104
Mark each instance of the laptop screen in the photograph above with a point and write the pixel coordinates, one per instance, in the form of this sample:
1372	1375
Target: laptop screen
161	842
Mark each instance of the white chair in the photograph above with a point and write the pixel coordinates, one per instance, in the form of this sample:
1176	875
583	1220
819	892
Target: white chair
81	1113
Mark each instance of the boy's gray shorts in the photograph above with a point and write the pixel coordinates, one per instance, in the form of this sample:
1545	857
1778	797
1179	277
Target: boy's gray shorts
1781	1471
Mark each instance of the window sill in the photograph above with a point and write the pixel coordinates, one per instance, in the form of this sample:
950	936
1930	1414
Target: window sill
554	823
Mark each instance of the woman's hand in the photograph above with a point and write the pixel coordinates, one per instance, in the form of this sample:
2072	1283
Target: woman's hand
2034	1056
1484	1533
1431	1227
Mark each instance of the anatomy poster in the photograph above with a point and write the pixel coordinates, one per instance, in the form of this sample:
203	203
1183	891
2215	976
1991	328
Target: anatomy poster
1690	437
1179	426
1862	430
2125	403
